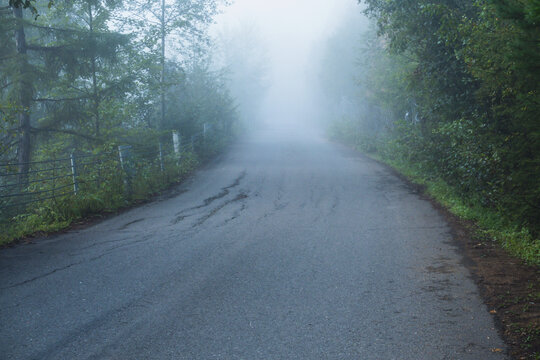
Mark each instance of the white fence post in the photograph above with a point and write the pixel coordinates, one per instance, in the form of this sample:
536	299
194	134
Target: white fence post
124	155
161	157
74	173
176	143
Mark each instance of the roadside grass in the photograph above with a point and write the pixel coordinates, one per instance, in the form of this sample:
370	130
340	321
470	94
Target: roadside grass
490	223
517	307
496	224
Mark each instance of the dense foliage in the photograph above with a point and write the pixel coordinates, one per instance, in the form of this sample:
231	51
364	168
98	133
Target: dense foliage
86	76
452	88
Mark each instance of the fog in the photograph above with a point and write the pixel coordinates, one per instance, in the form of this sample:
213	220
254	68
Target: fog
291	34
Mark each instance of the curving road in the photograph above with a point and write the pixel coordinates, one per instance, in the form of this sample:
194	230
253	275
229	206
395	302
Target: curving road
287	247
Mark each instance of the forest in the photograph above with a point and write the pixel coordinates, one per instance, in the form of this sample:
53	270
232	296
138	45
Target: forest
312	179
447	92
90	87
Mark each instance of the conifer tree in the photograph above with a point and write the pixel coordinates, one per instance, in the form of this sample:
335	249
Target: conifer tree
56	72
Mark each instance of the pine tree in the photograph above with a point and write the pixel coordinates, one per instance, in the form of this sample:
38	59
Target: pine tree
56	73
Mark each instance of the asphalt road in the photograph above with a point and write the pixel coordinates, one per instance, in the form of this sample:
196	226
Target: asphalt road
287	247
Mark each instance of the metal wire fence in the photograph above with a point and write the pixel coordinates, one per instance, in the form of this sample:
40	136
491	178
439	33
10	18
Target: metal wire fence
81	174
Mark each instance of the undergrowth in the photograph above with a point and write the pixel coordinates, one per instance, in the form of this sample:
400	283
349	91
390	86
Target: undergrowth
490	222
56	214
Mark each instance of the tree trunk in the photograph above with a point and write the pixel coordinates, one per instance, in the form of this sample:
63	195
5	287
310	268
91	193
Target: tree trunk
162	87
95	95
24	99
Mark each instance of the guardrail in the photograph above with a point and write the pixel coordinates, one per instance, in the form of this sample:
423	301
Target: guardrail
80	173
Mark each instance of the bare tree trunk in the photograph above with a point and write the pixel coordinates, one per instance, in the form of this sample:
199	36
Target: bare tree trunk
162	88
25	100
95	95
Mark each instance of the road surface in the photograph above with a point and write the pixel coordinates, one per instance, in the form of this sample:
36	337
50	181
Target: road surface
287	247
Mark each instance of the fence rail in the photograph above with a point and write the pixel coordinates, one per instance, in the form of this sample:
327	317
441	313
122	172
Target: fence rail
78	173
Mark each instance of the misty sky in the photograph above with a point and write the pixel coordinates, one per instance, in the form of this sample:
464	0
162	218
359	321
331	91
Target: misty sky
292	30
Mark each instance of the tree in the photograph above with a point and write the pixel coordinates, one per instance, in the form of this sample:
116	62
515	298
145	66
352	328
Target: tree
17	84
91	66
472	70
241	53
200	97
26	4
53	80
170	23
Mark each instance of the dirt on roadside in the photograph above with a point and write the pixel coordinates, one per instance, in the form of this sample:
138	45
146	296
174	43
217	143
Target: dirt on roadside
509	287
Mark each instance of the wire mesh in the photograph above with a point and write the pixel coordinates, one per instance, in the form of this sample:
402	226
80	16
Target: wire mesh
90	173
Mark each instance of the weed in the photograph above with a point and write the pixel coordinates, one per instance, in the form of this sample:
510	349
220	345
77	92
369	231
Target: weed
494	223
59	213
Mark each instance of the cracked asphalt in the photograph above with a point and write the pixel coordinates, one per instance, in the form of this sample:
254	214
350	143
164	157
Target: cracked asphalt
287	247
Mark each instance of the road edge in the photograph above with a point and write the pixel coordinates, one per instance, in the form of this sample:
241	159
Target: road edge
508	287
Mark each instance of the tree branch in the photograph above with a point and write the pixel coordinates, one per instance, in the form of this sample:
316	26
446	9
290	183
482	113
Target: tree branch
48	27
88	94
69	132
8	147
62	99
6	85
45	48
8	57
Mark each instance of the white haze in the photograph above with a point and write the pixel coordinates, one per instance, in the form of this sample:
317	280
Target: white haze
293	31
